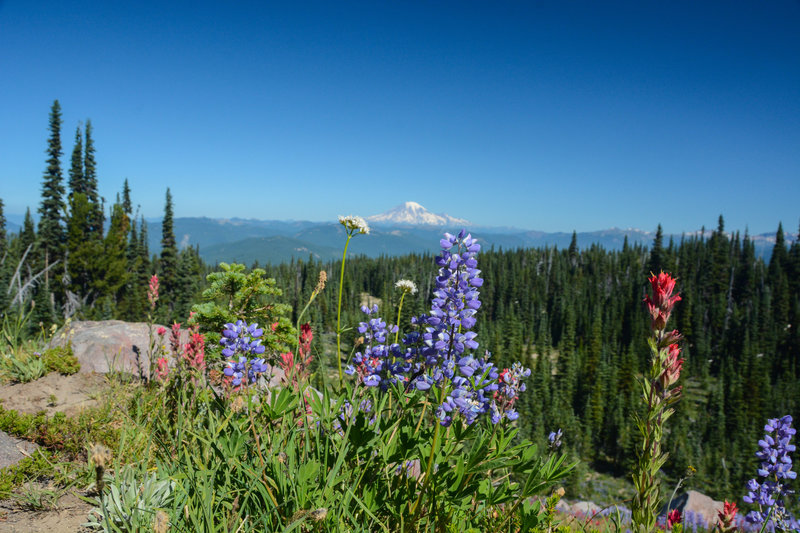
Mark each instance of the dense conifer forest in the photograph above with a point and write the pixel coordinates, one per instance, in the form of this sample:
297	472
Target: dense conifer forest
575	316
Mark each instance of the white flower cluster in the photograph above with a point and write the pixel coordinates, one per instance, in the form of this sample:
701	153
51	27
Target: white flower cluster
406	285
354	223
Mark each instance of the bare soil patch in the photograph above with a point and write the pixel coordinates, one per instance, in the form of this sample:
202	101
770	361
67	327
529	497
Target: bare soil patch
54	393
66	516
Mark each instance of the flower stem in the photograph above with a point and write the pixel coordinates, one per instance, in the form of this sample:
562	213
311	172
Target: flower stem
339	311
399	310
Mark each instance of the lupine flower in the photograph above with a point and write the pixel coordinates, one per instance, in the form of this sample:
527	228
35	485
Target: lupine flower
440	352
407	286
776	469
510	385
354	224
239	338
660	304
406	467
554	438
152	291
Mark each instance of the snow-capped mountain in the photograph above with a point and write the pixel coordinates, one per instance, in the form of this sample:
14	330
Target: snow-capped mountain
413	214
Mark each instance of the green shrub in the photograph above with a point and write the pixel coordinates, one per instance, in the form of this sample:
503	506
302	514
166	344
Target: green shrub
61	359
23	368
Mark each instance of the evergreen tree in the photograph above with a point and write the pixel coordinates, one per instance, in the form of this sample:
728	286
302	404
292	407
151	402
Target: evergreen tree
82	249
573	249
27	234
190	273
90	183
52	235
168	261
76	181
127	206
114	263
657	255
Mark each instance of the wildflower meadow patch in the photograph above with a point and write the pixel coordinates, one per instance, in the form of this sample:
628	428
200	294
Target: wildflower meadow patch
415	428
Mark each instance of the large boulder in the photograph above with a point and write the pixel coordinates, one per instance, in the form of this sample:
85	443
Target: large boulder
696	508
111	345
583	508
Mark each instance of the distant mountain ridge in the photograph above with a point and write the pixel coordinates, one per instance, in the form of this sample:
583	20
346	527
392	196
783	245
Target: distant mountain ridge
407	228
404	229
413	214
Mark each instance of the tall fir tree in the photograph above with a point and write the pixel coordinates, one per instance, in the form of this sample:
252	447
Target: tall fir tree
27	233
85	252
114	265
52	234
168	262
127	206
90	183
657	255
76	181
190	273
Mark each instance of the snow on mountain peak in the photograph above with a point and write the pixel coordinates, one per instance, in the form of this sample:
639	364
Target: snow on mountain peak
413	214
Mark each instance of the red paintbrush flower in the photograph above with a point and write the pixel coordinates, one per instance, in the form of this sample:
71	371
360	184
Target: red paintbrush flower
673	517
660	304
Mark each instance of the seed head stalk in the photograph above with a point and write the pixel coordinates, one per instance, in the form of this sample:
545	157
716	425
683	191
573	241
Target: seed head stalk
353	225
399	310
339	312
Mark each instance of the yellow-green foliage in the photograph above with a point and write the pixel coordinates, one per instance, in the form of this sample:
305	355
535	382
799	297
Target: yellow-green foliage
61	359
59	432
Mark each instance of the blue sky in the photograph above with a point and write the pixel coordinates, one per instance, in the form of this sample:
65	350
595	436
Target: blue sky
542	115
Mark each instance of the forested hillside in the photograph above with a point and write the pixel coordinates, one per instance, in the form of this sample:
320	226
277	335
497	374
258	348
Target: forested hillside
578	317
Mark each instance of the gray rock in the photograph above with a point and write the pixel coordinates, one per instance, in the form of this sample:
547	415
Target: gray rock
585	508
13	450
111	345
563	507
695	505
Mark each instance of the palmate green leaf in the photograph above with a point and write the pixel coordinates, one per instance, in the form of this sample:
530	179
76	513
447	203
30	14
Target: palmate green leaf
307	471
550	471
281	403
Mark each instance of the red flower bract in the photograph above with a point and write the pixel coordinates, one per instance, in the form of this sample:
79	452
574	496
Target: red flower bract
672	366
727	514
673	517
660	304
